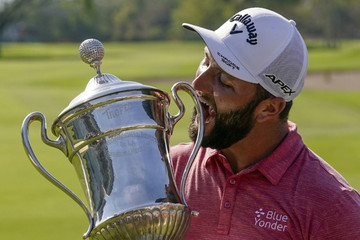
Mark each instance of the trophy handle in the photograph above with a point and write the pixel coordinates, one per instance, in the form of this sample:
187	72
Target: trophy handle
188	88
60	144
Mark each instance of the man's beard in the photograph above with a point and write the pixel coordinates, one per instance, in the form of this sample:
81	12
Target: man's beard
229	127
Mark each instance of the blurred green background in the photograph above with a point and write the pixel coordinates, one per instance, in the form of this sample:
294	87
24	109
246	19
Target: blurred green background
45	74
49	78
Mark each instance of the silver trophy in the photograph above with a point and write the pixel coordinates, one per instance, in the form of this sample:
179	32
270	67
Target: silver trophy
116	135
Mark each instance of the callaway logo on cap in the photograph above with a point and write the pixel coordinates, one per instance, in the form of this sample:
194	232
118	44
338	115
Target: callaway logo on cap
260	46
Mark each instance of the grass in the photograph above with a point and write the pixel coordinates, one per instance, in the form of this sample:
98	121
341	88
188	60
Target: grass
343	58
46	77
329	124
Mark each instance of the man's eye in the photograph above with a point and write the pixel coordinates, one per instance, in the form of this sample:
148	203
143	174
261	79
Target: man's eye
221	80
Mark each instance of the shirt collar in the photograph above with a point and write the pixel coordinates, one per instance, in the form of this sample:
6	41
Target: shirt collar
275	165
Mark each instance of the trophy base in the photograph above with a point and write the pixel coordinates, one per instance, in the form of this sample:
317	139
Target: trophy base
165	221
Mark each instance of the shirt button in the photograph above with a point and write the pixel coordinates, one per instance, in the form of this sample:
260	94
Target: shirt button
227	204
232	181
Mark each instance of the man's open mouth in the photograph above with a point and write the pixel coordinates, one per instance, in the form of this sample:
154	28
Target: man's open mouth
208	111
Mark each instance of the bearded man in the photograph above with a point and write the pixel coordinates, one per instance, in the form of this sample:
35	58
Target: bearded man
253	177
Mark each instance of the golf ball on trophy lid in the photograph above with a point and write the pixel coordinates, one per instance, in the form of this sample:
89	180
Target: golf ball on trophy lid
91	50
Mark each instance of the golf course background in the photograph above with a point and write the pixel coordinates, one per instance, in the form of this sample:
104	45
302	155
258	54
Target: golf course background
46	77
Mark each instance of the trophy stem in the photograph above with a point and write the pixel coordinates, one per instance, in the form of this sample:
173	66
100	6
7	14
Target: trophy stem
97	68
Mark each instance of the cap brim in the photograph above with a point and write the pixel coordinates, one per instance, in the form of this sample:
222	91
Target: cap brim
221	53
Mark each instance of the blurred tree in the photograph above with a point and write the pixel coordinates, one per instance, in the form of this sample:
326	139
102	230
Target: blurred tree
127	20
207	14
27	15
212	13
59	21
142	19
8	14
89	5
333	19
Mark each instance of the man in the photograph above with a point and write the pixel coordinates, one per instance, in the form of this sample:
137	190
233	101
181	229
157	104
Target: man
253	177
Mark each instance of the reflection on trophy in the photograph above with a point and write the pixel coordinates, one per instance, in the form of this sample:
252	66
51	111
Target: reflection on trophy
116	135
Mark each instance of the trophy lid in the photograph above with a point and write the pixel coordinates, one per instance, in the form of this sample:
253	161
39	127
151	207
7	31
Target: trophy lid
92	52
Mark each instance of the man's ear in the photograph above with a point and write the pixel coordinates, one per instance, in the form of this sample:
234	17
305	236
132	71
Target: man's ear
269	109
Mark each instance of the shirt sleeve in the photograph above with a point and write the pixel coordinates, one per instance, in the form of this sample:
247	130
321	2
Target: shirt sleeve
341	219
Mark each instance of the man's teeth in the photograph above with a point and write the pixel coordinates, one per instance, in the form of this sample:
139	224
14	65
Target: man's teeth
209	113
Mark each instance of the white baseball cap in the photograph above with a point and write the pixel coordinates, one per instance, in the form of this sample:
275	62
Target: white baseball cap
260	46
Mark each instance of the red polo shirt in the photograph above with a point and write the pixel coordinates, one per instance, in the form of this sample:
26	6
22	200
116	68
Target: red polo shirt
291	194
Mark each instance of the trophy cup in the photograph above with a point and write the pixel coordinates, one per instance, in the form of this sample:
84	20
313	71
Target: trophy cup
116	135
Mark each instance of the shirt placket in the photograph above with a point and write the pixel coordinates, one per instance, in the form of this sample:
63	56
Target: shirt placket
227	206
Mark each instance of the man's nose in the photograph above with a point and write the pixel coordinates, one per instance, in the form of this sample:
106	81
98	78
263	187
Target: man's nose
203	81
